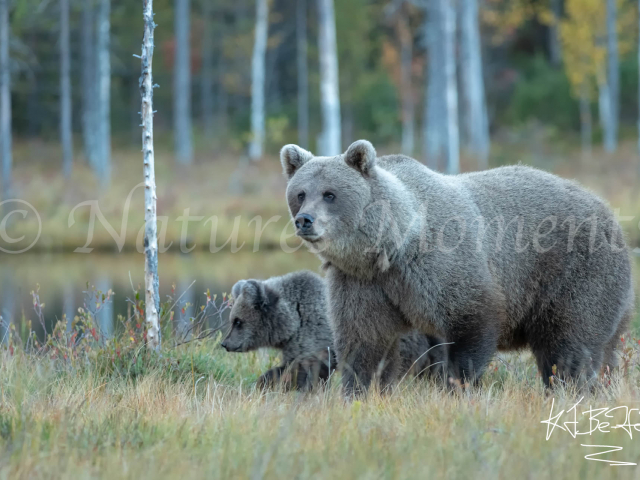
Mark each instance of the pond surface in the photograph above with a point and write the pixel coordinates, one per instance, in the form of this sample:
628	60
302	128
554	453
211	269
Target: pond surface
62	279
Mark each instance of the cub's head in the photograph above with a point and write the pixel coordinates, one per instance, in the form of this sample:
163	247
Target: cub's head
327	196
253	306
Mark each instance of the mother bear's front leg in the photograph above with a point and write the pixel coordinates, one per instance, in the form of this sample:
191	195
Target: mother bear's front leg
367	328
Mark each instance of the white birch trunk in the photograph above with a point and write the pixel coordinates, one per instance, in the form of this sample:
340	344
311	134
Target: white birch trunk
451	88
477	129
303	74
89	89
151	280
613	77
103	126
433	137
65	90
5	100
406	87
329	80
585	121
182	84
206	79
258	80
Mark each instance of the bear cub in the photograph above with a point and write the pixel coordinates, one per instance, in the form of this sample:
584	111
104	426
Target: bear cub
290	313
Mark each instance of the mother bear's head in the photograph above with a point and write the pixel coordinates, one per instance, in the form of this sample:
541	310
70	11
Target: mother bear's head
340	205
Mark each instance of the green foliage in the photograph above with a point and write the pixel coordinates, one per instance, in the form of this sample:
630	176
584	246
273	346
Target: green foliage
543	93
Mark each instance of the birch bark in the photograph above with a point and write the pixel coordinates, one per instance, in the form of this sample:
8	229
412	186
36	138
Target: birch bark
151	280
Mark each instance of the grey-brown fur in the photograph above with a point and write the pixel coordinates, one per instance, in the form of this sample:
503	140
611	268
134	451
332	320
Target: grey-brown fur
406	247
290	313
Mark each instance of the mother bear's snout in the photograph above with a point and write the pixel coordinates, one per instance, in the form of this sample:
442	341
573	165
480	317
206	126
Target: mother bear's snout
304	222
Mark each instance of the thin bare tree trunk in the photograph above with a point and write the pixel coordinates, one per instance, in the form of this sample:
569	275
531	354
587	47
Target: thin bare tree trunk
639	90
613	77
103	126
477	130
151	280
406	87
182	84
451	88
433	136
206	80
89	89
258	80
65	90
303	75
329	80
585	121
5	100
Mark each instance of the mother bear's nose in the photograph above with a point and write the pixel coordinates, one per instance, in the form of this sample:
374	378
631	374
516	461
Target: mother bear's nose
304	221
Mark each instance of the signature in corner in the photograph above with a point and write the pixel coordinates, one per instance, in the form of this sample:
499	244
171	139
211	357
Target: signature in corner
599	420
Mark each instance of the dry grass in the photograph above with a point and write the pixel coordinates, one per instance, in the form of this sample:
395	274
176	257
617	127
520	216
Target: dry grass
79	424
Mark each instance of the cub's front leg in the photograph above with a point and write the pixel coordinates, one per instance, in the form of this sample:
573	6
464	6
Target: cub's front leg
366	328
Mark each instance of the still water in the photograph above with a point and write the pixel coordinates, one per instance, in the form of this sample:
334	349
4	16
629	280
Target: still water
63	278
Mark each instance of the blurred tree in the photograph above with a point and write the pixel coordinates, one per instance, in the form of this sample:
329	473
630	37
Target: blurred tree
66	137
258	80
435	111
207	70
613	78
442	134
476	119
182	132
330	143
5	100
303	74
585	38
451	87
555	45
89	87
398	12
103	124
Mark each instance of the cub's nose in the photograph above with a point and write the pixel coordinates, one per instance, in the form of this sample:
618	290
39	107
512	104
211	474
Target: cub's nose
304	222
225	346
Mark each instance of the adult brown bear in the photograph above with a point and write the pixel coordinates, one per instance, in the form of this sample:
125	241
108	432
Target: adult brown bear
497	260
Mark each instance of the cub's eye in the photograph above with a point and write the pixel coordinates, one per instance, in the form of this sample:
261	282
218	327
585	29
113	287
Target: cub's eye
237	323
301	197
329	197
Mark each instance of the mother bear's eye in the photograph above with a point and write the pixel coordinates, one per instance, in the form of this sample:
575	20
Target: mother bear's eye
237	323
328	197
301	197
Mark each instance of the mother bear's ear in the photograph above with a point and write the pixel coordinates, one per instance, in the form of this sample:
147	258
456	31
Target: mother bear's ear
361	156
292	158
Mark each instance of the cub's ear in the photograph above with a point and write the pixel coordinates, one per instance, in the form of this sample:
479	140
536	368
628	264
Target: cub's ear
292	158
237	288
361	156
270	297
261	296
